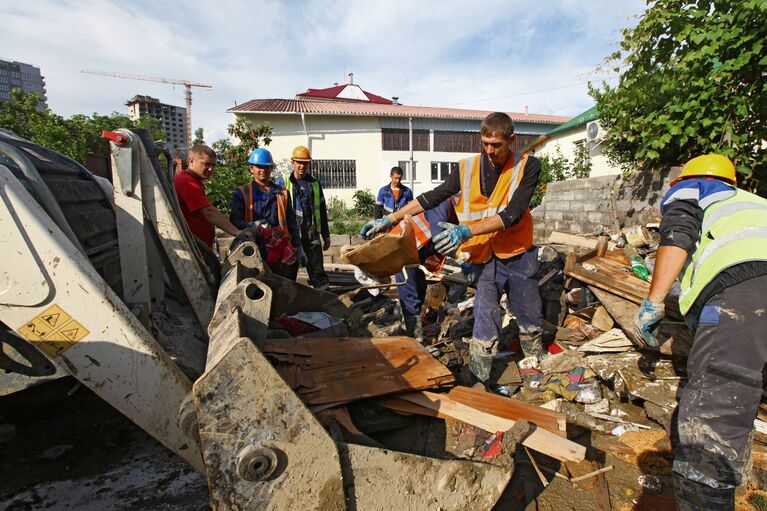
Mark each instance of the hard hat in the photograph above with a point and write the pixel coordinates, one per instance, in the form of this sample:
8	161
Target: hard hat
301	153
261	156
714	165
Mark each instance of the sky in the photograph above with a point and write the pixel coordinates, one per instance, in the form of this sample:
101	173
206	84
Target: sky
478	54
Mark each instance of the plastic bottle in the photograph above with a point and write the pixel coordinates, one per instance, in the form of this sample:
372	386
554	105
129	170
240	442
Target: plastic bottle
637	263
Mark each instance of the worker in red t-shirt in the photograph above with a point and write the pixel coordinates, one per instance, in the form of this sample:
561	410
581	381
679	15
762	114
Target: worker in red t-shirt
201	216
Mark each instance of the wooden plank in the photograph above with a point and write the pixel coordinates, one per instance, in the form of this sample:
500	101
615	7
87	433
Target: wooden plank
336	370
674	339
573	240
540	440
510	409
625	285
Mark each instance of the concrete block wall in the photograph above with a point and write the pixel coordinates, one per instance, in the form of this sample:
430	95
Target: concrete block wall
583	206
333	254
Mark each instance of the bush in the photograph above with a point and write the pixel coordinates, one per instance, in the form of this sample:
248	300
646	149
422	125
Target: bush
364	203
337	209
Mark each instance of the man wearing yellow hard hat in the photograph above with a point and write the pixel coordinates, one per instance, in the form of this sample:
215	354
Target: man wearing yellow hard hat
714	237
311	213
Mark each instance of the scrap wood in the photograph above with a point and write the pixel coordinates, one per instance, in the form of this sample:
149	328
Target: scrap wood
674	339
541	440
609	275
573	240
544	481
509	408
344	369
570	479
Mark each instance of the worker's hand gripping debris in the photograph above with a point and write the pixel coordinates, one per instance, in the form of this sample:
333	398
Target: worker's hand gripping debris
301	257
451	238
646	321
470	271
373	227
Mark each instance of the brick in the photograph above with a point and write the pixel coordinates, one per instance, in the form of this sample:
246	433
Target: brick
339	239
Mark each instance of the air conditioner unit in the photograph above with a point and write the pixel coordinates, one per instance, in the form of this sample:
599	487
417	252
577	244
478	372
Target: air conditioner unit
594	131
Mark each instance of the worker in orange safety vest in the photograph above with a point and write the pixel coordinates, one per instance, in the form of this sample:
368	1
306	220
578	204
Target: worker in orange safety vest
495	231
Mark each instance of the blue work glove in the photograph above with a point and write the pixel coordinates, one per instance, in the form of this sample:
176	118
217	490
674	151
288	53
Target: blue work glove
303	261
451	238
646	320
370	229
471	271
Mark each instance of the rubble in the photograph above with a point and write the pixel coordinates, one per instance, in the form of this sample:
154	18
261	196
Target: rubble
597	381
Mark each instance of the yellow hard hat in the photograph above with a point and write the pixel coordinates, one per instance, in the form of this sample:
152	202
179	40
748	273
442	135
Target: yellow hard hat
301	153
713	165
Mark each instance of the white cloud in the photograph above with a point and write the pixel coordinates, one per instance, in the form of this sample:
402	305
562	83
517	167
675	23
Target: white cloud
435	53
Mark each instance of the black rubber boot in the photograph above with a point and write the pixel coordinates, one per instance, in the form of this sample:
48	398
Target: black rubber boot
694	496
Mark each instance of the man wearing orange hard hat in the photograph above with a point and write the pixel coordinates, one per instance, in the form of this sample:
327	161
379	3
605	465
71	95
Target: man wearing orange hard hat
714	237
308	202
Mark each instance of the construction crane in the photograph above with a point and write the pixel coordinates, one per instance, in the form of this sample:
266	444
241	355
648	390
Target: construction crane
187	91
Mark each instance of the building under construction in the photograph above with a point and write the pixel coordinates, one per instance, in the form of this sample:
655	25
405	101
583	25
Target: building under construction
172	119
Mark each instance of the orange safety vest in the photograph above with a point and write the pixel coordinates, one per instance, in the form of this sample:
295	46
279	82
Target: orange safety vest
282	205
474	207
422	231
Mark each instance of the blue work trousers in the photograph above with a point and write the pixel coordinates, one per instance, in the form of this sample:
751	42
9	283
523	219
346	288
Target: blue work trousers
412	293
516	276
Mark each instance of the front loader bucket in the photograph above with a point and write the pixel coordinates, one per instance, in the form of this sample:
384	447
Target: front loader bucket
264	449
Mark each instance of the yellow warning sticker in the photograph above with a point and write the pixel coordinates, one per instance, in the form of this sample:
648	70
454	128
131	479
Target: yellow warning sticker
54	331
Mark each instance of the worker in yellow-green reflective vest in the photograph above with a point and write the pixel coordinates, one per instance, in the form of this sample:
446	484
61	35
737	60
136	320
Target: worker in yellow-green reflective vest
714	237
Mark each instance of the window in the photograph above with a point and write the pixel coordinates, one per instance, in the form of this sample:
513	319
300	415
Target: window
3	72
405	165
3	79
441	169
5	95
335	173
3	87
15	74
457	141
399	140
15	82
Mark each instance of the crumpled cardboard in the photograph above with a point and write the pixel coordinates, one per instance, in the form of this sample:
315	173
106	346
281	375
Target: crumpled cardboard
386	254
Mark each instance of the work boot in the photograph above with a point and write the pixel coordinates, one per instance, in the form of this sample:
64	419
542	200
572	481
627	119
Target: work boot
694	496
481	359
532	345
414	327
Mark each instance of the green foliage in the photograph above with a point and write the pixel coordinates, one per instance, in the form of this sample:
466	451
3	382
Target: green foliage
199	137
75	137
758	501
364	203
694	82
232	167
559	168
337	209
348	228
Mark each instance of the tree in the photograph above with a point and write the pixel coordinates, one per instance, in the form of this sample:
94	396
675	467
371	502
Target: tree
693	83
232	169
199	137
76	137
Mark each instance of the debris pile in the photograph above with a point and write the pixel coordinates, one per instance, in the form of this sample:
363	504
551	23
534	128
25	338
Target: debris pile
598	381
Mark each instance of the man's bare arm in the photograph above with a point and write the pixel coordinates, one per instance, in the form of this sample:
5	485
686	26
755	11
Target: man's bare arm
668	263
215	217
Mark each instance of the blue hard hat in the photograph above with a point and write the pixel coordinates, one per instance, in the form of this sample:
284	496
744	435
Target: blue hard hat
261	156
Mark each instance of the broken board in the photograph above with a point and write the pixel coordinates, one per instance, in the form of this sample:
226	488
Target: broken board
325	371
443	406
674	339
509	408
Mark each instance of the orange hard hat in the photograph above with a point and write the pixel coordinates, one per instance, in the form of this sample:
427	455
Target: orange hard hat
301	153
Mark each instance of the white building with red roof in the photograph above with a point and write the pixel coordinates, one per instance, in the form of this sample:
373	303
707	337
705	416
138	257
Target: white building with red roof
356	137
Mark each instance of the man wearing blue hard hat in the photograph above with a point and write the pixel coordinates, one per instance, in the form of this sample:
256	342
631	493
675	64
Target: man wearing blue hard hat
263	202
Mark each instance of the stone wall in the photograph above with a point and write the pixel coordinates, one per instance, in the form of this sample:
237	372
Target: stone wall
584	206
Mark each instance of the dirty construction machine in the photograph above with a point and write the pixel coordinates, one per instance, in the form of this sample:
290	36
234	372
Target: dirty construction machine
103	281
